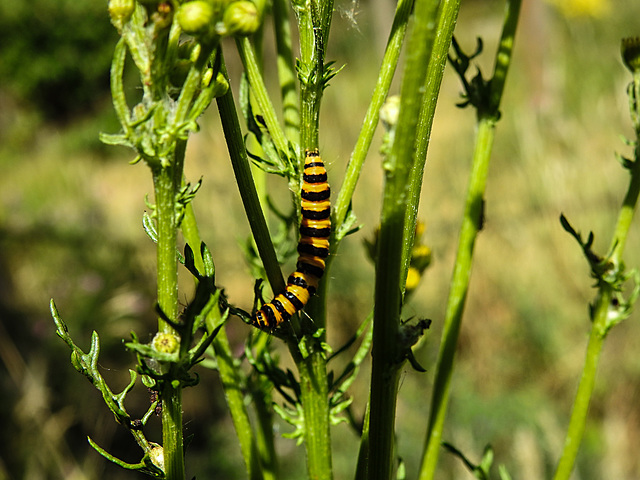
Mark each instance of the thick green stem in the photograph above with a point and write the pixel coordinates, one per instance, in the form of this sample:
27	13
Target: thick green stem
314	20
314	399
386	351
166	185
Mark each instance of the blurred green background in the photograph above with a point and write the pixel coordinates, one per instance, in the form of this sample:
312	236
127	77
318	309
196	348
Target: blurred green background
70	229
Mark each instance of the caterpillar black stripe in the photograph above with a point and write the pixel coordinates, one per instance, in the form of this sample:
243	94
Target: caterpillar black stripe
313	247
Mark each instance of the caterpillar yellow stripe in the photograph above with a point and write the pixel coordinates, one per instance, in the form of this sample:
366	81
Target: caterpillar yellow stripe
313	247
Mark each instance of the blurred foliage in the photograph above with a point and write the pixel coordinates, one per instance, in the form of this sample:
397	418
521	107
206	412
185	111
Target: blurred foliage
56	55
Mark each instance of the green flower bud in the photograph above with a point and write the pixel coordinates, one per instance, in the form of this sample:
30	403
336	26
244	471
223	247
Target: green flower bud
206	78
631	53
221	86
120	11
166	342
196	17
240	18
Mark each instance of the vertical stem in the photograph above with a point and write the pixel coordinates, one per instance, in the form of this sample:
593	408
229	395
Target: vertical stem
230	376
166	181
386	355
471	224
164	187
286	71
172	432
599	326
457	296
577	422
387	71
314	20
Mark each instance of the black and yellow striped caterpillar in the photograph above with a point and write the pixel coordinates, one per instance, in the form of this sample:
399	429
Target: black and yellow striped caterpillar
313	247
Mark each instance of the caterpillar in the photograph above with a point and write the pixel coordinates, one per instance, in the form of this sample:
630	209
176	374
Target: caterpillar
313	247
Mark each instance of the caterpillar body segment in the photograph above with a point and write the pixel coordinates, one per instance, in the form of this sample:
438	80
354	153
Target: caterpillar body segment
313	247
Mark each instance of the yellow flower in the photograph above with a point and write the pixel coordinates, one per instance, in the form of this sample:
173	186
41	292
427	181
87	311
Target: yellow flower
579	8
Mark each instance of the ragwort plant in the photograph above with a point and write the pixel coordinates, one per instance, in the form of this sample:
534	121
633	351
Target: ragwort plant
176	48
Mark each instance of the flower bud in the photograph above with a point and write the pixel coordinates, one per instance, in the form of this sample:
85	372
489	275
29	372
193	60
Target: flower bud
240	18
221	86
166	342
195	17
120	11
631	53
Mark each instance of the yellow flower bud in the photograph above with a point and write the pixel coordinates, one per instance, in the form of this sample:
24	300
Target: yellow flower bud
166	342
413	279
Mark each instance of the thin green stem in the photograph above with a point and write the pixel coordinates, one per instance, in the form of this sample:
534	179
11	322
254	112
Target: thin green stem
380	92
471	224
602	310
457	297
248	193
259	90
447	16
386	353
230	375
578	419
286	71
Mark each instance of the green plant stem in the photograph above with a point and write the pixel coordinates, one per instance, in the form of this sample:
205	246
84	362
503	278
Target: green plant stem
314	21
230	374
457	296
580	409
447	16
286	71
315	405
386	353
471	223
259	90
172	442
248	193
599	326
380	92
167	181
